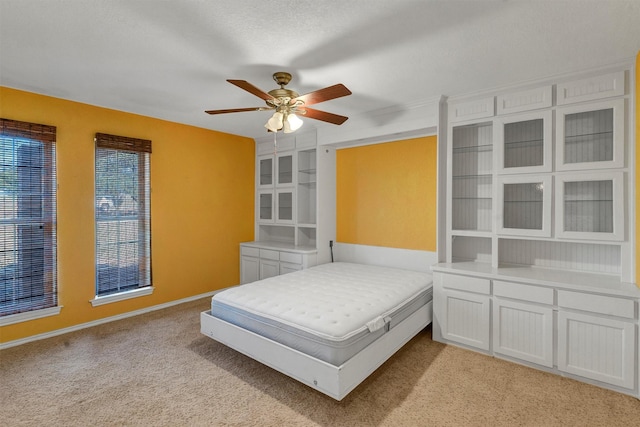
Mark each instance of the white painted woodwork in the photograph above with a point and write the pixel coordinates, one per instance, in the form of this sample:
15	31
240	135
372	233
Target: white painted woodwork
408	259
524	205
523	331
286	267
259	260
600	304
249	269
471	110
589	89
466	318
295	197
536	294
591	136
524	143
334	381
549	230
470	187
525	100
598	348
590	206
269	268
559	255
466	283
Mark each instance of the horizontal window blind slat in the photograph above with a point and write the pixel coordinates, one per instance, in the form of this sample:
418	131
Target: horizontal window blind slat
116	142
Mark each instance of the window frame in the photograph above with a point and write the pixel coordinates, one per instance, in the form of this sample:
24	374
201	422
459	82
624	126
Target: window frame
121	144
46	136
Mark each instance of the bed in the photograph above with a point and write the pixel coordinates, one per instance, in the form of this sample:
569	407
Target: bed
328	326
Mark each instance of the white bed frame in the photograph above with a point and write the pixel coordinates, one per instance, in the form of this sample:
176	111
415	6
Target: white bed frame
334	381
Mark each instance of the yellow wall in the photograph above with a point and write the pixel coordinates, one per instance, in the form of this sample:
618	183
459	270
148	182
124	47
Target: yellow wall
202	200
386	194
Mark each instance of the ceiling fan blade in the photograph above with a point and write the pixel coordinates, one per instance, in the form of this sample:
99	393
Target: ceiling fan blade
321	95
237	110
243	84
312	113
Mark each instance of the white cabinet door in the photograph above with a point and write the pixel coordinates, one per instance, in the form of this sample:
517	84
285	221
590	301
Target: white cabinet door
524	205
524	143
596	347
265	171
590	206
269	268
523	331
289	268
466	318
591	136
249	269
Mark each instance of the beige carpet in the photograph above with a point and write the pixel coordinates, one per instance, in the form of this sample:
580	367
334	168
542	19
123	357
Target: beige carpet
158	370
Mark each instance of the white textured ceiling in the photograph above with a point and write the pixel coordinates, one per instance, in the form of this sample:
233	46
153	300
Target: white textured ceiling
170	59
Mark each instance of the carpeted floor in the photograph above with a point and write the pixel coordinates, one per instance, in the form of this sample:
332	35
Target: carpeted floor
158	370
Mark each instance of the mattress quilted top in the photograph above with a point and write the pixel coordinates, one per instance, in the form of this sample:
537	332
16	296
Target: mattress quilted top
335	300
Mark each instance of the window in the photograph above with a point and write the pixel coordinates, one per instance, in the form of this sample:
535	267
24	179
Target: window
123	238
27	217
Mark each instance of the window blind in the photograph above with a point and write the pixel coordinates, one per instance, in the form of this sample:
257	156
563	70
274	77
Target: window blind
123	232
28	279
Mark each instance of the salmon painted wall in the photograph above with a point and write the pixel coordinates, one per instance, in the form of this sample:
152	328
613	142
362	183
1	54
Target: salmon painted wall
202	198
386	194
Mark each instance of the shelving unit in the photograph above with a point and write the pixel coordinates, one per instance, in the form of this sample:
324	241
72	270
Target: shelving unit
472	168
288	232
539	259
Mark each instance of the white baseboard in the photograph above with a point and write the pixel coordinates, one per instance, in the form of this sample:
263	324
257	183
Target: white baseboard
101	321
409	259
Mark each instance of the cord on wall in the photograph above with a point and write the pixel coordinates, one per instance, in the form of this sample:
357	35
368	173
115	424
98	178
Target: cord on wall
331	249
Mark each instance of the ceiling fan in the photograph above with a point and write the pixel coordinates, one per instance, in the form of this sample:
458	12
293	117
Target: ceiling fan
288	104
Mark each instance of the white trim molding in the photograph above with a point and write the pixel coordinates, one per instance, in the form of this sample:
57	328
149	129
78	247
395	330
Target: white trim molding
30	315
104	320
121	296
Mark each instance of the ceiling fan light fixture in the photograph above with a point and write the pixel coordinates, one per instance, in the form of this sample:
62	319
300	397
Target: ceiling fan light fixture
274	124
292	123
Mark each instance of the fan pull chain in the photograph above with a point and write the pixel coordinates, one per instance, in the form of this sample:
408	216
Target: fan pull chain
275	144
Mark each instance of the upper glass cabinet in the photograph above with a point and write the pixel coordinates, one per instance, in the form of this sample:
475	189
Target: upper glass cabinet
590	206
285	169
265	175
525	205
591	136
471	177
524	143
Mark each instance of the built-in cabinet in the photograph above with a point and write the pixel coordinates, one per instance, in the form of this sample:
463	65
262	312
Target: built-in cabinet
288	233
267	259
558	327
537	257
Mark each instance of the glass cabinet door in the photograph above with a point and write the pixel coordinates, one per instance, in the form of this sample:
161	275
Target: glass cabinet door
524	143
590	136
525	203
265	206
284	209
590	206
471	173
285	169
306	193
265	175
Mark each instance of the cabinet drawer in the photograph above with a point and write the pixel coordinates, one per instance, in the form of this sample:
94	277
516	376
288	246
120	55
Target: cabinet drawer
597	304
291	257
247	251
269	254
466	283
523	292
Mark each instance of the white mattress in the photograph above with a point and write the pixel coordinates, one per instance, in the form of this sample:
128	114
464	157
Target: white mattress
330	311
